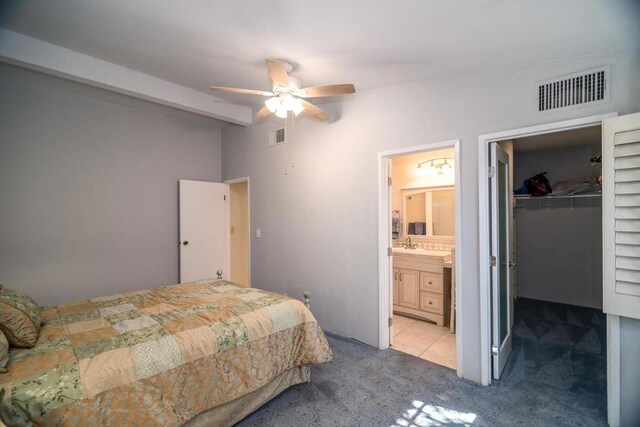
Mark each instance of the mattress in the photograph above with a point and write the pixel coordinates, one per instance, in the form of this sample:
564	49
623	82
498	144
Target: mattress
158	356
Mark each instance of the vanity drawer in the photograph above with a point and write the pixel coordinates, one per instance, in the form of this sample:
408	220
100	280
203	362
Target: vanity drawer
431	282
415	263
431	302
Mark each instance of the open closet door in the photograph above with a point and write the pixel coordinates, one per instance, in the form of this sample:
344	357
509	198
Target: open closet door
621	215
204	219
501	300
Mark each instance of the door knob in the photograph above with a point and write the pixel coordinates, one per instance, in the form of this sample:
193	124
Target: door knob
185	243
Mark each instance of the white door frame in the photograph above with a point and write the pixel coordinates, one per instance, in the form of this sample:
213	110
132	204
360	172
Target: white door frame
484	217
385	269
248	181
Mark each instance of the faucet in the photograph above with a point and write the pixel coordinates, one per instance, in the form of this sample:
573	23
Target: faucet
408	245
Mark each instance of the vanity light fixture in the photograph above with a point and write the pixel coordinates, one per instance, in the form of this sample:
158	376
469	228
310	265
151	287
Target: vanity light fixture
439	166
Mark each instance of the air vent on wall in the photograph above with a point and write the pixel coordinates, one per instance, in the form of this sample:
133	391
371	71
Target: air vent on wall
576	90
277	137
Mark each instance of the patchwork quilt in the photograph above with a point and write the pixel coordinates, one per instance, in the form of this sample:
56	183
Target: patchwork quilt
158	357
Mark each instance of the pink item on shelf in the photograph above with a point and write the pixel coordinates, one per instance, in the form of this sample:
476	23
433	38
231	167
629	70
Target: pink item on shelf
589	184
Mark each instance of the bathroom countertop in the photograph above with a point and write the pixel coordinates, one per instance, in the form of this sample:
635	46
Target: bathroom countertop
444	256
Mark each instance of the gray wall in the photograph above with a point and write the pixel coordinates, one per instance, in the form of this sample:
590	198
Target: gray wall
559	249
630	369
319	219
89	185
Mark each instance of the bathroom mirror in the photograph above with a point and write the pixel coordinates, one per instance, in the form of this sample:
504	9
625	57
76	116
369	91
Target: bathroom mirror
429	211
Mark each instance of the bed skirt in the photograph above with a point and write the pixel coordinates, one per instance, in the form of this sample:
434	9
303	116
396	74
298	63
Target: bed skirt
234	411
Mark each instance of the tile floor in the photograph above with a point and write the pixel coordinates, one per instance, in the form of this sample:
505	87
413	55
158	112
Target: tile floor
425	340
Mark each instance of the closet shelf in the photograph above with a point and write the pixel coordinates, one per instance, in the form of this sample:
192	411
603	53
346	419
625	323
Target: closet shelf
546	200
552	196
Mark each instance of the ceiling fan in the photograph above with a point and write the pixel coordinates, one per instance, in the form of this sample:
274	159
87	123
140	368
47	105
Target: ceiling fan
287	95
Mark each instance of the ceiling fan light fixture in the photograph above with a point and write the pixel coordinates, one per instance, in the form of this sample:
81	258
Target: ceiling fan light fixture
288	100
287	93
273	104
293	104
297	107
282	112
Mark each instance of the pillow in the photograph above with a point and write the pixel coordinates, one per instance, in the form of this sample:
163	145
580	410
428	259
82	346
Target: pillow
4	353
19	318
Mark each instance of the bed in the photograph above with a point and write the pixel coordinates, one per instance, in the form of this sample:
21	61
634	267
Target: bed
202	353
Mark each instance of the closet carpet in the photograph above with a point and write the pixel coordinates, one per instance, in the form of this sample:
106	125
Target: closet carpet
556	376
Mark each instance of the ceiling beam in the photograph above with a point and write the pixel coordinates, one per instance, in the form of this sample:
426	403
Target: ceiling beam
37	55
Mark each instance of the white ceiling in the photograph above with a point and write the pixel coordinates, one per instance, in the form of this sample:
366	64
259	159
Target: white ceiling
369	43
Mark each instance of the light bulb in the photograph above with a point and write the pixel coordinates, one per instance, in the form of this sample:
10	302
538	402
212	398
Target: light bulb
297	106
281	112
292	103
288	101
272	104
422	171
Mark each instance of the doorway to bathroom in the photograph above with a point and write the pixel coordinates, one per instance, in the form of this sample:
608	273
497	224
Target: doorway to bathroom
419	244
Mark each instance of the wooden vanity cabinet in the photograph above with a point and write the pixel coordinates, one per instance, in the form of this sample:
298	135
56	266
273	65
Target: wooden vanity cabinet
408	286
421	288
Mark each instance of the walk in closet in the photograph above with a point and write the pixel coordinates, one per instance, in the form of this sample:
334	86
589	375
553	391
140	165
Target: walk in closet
558	236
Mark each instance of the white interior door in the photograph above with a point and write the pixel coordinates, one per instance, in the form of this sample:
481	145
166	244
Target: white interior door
204	219
501	300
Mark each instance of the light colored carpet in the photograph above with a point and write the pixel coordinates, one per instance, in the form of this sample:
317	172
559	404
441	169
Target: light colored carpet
556	376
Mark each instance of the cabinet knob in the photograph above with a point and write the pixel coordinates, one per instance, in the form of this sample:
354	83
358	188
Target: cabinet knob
430	302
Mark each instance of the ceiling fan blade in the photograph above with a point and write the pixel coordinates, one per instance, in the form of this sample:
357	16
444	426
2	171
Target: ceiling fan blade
240	91
314	111
262	113
330	90
278	72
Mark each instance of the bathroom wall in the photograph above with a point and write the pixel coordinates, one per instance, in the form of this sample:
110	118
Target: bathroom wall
404	174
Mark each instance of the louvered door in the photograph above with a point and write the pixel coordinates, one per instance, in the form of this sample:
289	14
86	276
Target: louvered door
621	215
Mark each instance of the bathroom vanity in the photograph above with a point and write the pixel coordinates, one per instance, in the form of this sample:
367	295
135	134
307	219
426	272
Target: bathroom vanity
422	284
422	268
